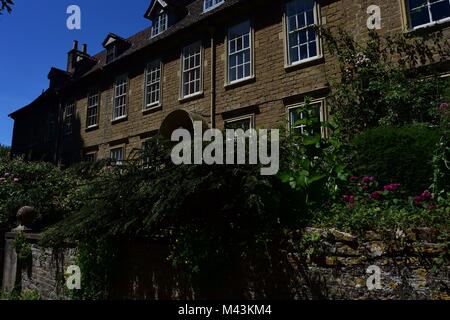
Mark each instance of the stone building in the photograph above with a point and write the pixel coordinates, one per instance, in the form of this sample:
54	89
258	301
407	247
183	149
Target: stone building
231	63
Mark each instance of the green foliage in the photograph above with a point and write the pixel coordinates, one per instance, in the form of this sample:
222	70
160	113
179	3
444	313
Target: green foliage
214	214
97	258
24	295
51	191
4	152
382	81
441	158
366	205
6	5
23	250
367	217
403	155
312	165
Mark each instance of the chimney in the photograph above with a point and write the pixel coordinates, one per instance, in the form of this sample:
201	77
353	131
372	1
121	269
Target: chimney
84	50
72	57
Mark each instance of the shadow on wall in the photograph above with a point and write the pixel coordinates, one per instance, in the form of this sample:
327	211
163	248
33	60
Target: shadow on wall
144	273
71	144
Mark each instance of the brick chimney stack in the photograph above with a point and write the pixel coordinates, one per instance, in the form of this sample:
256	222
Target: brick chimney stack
72	57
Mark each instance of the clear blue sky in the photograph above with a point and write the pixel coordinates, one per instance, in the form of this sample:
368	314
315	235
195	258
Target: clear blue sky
35	38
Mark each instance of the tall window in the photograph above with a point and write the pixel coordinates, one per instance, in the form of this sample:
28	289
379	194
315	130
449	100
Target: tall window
153	84
302	38
69	117
239	52
110	53
117	155
160	24
308	122
192	70
425	12
211	4
51	127
92	108
120	97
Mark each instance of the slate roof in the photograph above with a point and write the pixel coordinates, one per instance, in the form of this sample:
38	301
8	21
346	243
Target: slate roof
142	39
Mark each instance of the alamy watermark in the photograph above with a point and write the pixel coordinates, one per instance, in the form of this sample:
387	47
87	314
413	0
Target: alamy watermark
190	149
73	277
374	280
73	22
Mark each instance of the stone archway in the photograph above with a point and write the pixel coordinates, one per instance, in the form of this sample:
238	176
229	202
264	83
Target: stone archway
180	119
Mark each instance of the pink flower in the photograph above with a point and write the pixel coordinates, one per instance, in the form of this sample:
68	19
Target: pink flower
375	195
426	195
392	187
349	198
443	107
365	188
16	179
418	200
368	179
7	174
353	178
2	179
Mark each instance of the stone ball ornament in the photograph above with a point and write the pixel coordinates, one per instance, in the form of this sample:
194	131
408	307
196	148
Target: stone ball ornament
25	217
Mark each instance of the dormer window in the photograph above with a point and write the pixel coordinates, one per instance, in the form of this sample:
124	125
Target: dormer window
111	53
160	24
115	46
211	4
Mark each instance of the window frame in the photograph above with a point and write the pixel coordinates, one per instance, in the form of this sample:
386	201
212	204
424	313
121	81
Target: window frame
213	6
69	117
93	154
324	114
318	22
149	106
112	47
116	148
252	54
115	97
184	96
162	16
250	117
407	14
91	93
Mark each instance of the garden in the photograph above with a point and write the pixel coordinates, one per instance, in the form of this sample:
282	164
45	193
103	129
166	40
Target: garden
385	167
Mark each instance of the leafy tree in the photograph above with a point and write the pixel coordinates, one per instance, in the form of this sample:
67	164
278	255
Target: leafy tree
4	152
6	5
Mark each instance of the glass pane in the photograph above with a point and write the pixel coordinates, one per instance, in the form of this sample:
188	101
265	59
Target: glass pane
440	10
420	17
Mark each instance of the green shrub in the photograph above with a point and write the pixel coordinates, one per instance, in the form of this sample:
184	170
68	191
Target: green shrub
4	152
50	190
403	155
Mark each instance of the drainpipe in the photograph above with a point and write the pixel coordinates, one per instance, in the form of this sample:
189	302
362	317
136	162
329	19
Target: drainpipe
213	78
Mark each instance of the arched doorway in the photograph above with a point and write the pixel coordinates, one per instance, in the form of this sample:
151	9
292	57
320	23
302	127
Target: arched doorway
180	119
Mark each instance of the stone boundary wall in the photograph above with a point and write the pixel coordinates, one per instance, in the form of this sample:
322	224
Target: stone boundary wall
44	275
412	265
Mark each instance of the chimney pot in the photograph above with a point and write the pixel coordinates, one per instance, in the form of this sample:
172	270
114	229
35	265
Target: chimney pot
84	48
75	45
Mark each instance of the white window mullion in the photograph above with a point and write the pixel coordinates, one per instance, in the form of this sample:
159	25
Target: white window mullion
192	70
237	36
153	84
120	97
